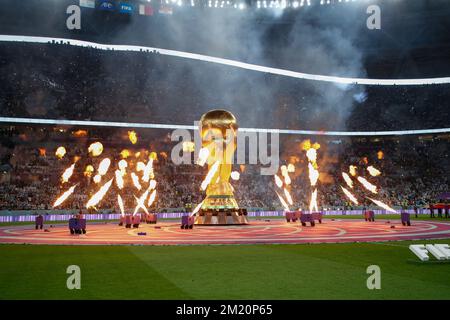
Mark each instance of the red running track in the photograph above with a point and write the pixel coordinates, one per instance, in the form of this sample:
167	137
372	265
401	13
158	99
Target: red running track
274	231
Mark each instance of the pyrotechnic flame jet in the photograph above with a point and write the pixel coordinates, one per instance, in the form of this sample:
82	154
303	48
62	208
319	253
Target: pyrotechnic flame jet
104	166
347	179
197	208
152	197
210	175
120	201
64	196
203	156
382	205
148	171
97	197
313	204
119	179
373	171
372	188
135	179
141	202
283	202
288	196
350	195
278	181
67	173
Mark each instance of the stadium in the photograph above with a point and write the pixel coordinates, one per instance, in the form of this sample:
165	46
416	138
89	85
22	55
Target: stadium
225	150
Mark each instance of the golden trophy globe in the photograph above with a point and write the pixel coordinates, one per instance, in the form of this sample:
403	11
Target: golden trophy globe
218	131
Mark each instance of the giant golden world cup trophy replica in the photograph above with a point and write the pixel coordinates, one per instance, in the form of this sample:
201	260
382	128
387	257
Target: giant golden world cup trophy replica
218	130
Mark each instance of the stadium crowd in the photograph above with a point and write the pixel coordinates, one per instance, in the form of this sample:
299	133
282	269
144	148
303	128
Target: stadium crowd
58	81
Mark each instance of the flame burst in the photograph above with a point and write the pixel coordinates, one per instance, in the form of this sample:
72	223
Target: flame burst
235	175
97	197
64	196
382	205
373	171
120	201
210	175
60	152
352	170
372	188
135	179
95	149
132	136
125	153
350	195
67	173
104	166
152	184
347	179
88	171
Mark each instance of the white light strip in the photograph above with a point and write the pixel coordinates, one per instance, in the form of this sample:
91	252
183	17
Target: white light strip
228	62
31	121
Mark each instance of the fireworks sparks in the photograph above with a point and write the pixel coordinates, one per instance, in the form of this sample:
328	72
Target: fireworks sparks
67	174
60	152
382	205
235	175
135	180
348	180
120	201
291	168
372	188
373	171
96	149
350	195
210	175
64	196
352	170
132	136
97	197
88	171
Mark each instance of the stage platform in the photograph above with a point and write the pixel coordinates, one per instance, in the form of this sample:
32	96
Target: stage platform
257	232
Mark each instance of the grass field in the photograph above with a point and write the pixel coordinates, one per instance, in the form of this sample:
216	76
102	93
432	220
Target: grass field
321	271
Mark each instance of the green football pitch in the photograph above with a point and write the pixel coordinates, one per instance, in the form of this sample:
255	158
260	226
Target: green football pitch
316	271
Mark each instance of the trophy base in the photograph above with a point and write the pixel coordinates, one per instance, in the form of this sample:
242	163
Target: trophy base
221	217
